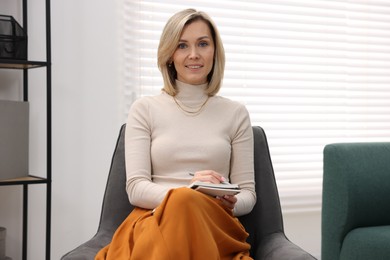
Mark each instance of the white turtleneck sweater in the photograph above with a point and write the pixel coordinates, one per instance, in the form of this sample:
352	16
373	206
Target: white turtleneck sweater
163	144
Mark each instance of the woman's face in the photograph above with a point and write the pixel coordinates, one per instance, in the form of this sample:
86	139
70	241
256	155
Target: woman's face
194	56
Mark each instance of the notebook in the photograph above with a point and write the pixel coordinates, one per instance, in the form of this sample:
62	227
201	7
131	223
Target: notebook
215	189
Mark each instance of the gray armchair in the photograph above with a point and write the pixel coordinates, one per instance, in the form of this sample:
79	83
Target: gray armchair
264	223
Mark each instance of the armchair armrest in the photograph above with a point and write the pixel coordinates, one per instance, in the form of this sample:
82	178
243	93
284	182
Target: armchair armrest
89	249
276	246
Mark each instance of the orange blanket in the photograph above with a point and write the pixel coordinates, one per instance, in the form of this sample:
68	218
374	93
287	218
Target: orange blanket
187	225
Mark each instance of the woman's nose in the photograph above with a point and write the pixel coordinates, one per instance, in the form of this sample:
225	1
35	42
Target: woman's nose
194	54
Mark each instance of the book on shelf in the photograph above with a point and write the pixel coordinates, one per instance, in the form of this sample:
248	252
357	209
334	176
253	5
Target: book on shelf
214	189
14	139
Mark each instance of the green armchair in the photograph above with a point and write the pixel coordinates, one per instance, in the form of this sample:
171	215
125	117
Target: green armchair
356	201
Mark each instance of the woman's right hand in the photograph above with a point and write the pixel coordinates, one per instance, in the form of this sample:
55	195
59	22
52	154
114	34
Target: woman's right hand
208	176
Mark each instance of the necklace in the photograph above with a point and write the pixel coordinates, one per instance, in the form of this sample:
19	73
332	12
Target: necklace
191	112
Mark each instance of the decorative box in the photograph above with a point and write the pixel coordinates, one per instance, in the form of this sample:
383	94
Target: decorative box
13	39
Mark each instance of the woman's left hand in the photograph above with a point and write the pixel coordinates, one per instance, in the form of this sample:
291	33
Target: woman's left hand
228	200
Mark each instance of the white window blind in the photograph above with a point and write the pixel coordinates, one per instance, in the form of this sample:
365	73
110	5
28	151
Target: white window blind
310	72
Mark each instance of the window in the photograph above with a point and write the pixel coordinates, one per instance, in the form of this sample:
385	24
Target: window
310	73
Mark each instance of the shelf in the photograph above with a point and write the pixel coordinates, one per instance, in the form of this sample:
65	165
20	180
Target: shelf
26	181
23	180
21	64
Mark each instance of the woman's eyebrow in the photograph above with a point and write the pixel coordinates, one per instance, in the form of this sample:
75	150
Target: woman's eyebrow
200	38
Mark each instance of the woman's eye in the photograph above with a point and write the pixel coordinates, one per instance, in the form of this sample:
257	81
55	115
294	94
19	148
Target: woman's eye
203	44
182	46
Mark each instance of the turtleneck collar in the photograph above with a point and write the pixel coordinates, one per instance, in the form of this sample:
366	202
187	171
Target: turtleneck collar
191	92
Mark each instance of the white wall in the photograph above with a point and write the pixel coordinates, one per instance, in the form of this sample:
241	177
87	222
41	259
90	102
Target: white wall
87	114
304	229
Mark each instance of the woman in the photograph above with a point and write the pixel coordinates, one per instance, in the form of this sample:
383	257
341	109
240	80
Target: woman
186	134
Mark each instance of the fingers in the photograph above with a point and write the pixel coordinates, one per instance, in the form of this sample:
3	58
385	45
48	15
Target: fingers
208	176
228	200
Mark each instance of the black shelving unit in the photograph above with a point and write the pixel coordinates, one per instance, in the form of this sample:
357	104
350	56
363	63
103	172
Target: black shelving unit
25	66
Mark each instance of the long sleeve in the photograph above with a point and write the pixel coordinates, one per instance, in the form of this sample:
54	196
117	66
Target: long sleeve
141	190
242	167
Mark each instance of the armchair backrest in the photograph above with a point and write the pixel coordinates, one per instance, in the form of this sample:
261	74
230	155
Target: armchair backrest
265	218
356	191
116	206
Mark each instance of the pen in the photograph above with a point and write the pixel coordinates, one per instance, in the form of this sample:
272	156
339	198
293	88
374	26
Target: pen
223	182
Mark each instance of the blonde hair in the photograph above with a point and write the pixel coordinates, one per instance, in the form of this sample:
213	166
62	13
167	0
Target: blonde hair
168	44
